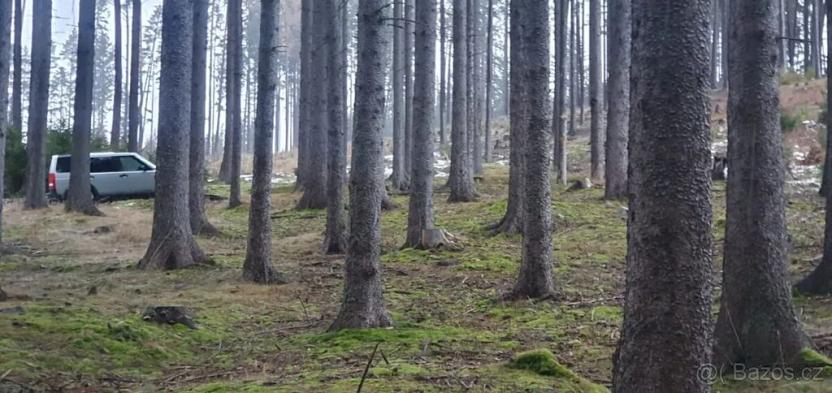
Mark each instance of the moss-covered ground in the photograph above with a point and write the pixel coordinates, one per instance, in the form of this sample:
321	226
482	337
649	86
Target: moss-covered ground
79	325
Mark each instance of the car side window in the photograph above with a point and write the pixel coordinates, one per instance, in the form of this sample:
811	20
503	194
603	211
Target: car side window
63	165
104	164
131	164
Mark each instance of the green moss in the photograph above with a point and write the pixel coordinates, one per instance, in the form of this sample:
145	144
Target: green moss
811	358
541	361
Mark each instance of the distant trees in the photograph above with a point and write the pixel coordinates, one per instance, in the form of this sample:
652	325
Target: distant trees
362	303
172	245
461	178
420	216
79	196
35	183
535	276
666	330
257	266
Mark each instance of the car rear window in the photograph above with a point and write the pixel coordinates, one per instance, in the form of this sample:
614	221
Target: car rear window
62	166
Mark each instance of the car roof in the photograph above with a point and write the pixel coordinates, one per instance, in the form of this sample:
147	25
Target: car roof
103	154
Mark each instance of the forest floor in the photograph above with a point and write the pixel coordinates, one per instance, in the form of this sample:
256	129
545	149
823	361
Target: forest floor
74	321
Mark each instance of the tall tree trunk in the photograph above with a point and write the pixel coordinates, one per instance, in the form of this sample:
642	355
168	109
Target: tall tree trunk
461	178
816	37
315	186
442	77
35	194
17	67
489	59
573	73
363	302
724	50
474	103
820	280
235	63
618	113
5	58
714	44
230	62
115	131
258	266
581	26
196	180
595	98
336	226
668	295
408	89
782	33
559	113
79	195
135	67
535	275
420	216
757	324
172	246
400	174
302	91
512	222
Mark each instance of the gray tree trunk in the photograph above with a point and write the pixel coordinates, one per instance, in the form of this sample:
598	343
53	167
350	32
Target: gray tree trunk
35	181
79	195
488	71
420	216
258	266
303	90
595	98
196	181
235	63
618	111
513	221
17	77
461	179
6	10
669	258
115	131
559	113
757	324
172	246
474	86
408	89
315	184
363	302
535	275
400	175
442	77
134	116
335	241
820	280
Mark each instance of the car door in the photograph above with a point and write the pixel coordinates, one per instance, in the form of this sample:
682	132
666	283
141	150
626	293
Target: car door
137	176
104	175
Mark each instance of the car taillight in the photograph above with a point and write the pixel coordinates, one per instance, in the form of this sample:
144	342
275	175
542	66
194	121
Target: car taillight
52	182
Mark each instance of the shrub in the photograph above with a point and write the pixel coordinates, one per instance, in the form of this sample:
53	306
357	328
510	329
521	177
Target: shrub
788	122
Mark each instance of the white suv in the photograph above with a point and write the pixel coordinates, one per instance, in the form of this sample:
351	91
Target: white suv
111	174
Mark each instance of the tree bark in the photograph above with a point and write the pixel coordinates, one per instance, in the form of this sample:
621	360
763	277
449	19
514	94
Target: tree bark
363	302
399	177
595	104
535	275
315	184
420	216
302	92
172	246
668	295
258	266
17	77
6	10
235	63
442	77
513	222
335	241
35	194
134	116
757	324
196	180
79	195
488	70
559	113
618	112
461	178
407	62
115	131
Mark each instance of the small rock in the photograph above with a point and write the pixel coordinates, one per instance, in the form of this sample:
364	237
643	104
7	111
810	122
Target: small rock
12	310
93	290
3	295
581	185
103	229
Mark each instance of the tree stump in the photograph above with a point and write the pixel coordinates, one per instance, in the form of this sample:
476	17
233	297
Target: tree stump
170	315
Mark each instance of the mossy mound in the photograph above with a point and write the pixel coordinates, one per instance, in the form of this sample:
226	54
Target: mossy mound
544	363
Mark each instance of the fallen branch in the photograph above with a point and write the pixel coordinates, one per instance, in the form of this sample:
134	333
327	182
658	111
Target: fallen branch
367	368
